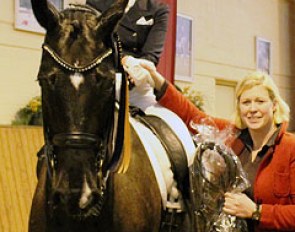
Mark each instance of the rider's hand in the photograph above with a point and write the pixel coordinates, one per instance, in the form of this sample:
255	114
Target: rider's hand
238	204
158	79
139	74
79	2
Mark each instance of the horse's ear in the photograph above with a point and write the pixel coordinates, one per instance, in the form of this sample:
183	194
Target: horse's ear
110	17
46	14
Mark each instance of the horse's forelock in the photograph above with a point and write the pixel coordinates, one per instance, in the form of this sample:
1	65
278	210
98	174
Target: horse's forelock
77	36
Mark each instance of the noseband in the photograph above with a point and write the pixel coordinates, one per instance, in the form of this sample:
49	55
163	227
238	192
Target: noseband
76	140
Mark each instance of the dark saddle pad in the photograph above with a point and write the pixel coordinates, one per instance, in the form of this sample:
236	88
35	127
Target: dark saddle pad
172	145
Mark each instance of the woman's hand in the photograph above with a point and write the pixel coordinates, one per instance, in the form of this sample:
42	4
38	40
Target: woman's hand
238	204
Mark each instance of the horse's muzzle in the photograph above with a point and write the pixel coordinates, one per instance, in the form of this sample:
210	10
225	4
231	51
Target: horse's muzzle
75	203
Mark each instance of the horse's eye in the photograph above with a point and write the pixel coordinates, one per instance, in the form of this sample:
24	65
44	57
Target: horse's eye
96	77
47	78
52	79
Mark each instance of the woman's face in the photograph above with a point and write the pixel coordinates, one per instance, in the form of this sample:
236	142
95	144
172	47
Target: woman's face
256	108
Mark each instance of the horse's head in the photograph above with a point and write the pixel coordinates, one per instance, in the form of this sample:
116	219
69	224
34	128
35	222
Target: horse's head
77	78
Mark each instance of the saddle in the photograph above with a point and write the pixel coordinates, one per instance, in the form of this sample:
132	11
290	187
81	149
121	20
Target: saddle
173	219
172	145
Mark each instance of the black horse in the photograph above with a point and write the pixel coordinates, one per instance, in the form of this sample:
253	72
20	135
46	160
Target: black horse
77	190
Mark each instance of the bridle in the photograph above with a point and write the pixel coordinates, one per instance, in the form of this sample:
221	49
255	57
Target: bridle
77	139
83	140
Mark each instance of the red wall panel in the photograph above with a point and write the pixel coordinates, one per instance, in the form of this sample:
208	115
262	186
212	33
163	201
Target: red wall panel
166	65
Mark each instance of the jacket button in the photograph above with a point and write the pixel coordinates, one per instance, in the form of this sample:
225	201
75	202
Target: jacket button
134	49
134	34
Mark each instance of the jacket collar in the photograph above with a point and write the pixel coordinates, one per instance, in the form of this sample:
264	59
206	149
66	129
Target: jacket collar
101	6
283	129
139	9
244	138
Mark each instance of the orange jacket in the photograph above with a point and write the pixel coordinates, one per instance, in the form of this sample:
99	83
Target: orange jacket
275	180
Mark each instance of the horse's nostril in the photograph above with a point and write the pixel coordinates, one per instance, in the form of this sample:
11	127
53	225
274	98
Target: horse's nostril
97	197
58	198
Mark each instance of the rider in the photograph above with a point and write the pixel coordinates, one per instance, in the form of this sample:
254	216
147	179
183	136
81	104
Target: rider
142	31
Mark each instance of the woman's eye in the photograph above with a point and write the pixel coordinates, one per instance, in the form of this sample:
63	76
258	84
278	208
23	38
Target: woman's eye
260	101
245	103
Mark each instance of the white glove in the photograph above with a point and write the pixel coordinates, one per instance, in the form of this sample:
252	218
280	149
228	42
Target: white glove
139	74
141	97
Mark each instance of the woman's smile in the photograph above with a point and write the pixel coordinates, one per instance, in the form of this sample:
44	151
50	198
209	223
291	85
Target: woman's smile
256	108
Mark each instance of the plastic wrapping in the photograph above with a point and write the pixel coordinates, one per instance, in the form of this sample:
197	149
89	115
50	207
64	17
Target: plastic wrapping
215	170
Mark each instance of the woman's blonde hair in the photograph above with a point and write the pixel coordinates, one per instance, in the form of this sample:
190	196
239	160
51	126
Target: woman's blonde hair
282	111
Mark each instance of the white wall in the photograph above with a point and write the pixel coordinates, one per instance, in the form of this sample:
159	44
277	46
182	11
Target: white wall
19	61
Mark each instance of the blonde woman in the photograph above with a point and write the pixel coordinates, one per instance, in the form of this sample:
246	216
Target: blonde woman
265	148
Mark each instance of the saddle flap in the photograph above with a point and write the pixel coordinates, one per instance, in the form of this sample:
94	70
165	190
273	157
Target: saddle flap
173	146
